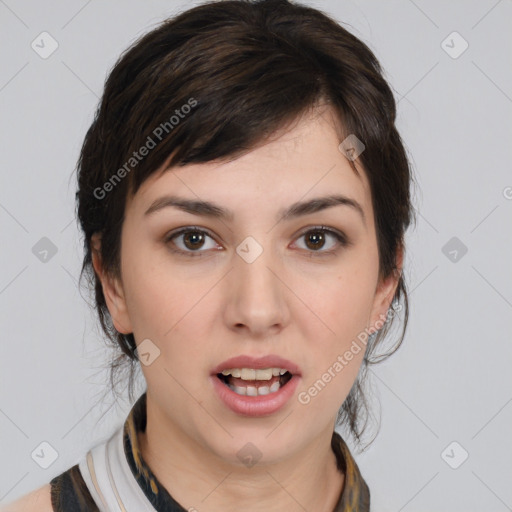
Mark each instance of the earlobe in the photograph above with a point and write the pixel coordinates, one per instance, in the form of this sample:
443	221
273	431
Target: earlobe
112	290
384	295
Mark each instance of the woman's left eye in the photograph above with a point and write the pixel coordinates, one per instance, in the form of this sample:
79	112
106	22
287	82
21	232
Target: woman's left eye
315	239
193	239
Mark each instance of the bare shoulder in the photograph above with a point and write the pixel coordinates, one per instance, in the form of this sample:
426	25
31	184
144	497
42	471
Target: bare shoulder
38	500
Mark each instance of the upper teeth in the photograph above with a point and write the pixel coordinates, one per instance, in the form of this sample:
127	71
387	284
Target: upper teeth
252	374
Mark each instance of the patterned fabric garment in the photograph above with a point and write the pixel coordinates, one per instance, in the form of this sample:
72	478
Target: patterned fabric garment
69	492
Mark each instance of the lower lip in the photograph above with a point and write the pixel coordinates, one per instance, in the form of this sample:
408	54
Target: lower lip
255	405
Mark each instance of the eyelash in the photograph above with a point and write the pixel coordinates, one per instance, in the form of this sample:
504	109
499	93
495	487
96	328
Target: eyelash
340	237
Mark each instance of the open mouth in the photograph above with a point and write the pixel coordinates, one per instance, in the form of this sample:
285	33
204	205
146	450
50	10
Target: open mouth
255	387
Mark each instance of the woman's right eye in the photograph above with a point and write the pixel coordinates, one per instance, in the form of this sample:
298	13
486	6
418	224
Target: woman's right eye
189	240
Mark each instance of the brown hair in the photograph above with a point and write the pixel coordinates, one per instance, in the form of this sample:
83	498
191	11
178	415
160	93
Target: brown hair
213	83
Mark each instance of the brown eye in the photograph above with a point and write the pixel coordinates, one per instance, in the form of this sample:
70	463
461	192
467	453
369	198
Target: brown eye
193	240
190	241
315	239
323	240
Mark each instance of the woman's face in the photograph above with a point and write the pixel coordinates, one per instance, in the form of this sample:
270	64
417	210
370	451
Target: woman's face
253	284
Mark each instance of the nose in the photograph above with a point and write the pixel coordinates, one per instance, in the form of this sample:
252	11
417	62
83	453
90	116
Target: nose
256	295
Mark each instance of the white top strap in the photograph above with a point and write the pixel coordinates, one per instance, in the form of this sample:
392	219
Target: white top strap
110	480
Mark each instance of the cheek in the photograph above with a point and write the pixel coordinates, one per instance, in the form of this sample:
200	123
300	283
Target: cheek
336	344
167	308
344	302
154	300
328	383
346	311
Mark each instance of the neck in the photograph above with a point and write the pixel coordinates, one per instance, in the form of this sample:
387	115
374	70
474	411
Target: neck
199	480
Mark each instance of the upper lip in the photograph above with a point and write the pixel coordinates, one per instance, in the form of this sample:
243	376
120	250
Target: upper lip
268	361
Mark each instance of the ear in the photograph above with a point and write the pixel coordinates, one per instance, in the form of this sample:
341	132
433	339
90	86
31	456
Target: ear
112	290
384	294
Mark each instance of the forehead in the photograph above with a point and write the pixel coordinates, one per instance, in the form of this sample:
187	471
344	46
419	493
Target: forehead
299	162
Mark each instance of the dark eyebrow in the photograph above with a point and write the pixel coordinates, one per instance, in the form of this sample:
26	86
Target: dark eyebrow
320	203
208	209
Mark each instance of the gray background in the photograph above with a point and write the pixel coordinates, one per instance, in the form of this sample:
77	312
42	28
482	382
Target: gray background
451	379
